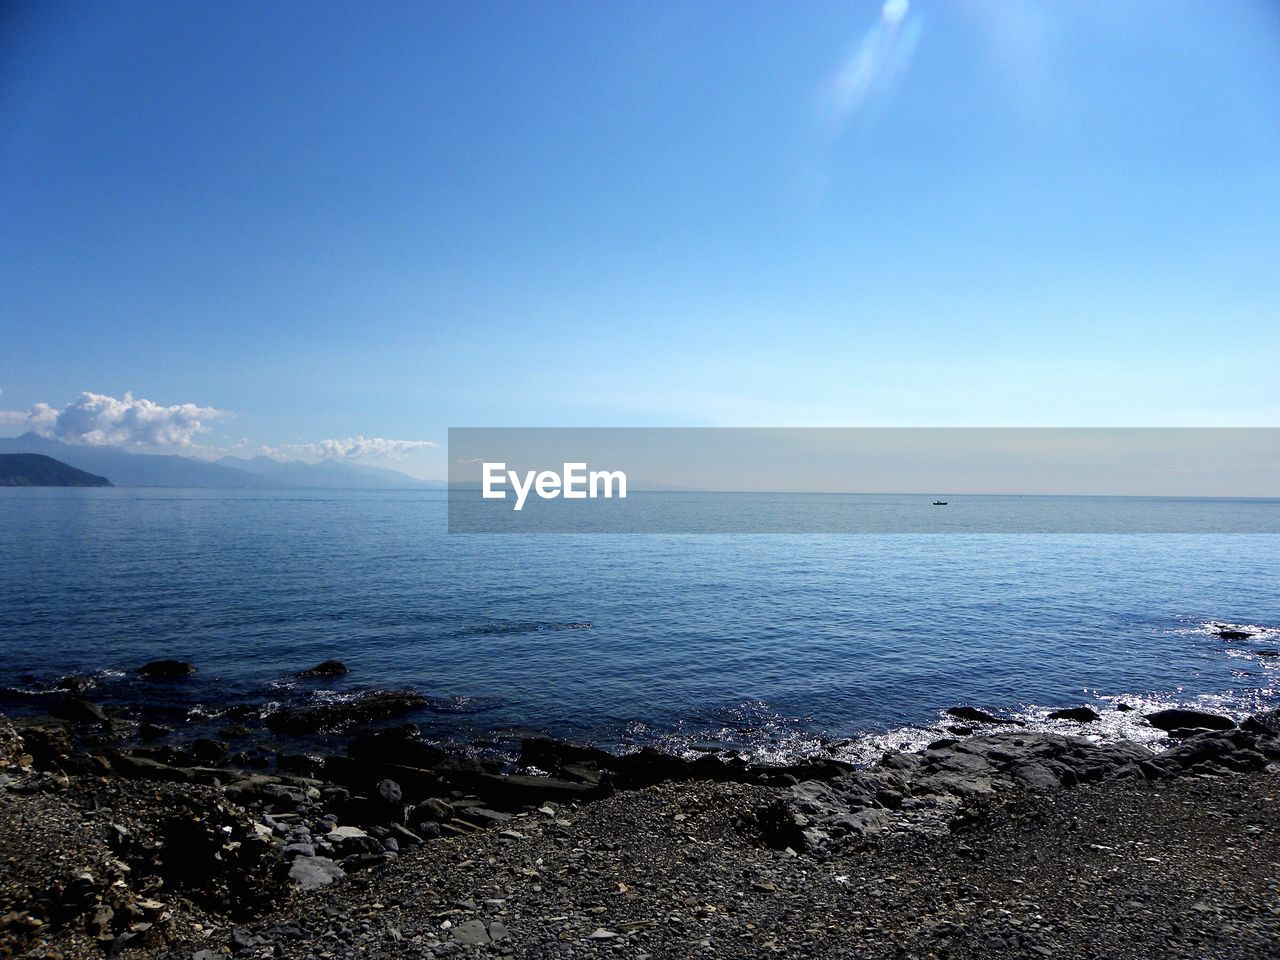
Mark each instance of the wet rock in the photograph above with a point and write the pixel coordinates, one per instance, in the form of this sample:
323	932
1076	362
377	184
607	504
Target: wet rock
647	766
1266	723
325	670
79	711
402	745
1233	634
974	715
148	730
1179	722
166	669
368	708
550	754
209	751
76	684
1076	714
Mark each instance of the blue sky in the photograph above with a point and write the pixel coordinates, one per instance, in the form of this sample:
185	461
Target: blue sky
326	221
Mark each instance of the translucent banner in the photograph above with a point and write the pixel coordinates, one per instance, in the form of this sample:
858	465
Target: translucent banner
864	480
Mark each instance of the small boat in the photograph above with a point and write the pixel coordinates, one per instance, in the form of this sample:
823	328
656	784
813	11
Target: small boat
939	503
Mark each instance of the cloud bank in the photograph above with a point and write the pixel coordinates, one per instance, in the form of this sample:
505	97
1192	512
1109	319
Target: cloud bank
352	448
97	419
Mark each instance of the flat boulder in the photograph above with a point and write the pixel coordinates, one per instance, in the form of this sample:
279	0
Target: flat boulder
515	790
1075	714
79	711
1177	721
166	669
370	707
325	670
974	715
311	873
1230	634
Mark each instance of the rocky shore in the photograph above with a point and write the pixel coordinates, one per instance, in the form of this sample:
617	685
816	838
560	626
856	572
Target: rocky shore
995	841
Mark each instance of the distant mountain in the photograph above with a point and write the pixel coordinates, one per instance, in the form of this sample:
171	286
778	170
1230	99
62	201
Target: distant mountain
167	470
37	470
326	473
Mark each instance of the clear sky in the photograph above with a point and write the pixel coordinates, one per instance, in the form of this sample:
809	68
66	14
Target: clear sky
327	221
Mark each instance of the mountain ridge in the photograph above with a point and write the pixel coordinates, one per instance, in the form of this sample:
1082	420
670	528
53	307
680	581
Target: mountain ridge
128	469
38	470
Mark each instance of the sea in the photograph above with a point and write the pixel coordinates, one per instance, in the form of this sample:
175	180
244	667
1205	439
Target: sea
776	645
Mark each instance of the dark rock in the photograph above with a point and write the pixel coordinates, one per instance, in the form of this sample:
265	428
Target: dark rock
515	791
325	670
47	739
369	708
351	841
433	810
1181	722
167	669
551	754
153	731
1076	714
1266	723
1234	634
403	835
79	711
362	776
1123	707
76	684
974	715
209	751
400	745
647	766
389	792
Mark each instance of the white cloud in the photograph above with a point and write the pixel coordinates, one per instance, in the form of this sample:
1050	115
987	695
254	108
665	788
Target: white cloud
352	448
97	419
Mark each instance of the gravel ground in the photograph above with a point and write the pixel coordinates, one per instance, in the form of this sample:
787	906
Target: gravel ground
1178	868
1004	844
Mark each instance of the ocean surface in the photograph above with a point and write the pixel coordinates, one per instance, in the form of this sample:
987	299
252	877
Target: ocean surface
775	644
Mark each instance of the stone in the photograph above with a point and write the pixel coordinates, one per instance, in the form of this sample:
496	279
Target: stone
1076	714
389	792
167	669
1178	722
352	841
974	715
471	933
78	711
311	873
368	708
325	670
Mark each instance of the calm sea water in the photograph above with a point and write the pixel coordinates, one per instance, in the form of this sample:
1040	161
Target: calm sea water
764	641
